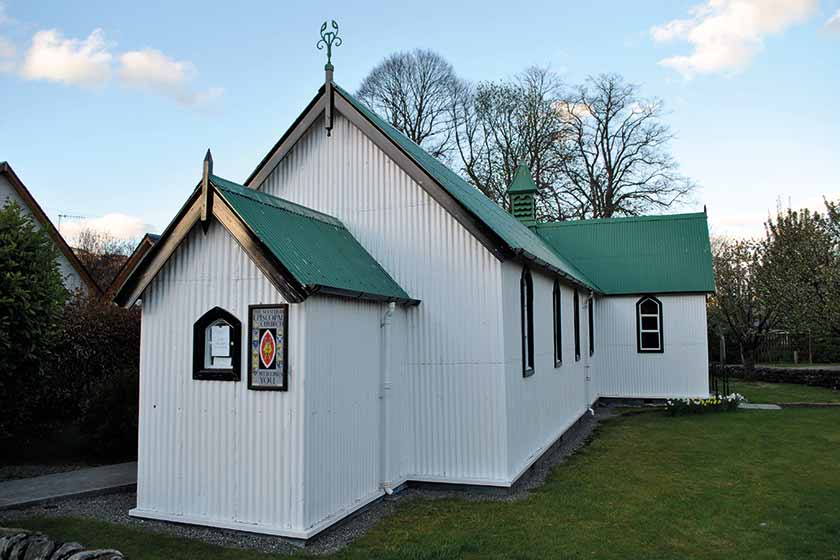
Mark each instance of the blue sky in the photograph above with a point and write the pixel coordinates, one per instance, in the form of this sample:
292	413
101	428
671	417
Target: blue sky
108	106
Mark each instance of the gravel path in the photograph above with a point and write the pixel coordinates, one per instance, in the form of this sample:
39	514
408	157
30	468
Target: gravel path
114	508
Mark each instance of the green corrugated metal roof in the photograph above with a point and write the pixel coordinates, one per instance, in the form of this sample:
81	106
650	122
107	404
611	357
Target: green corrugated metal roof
509	229
648	254
315	248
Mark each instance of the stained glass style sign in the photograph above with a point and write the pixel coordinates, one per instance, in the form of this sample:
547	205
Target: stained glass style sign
268	349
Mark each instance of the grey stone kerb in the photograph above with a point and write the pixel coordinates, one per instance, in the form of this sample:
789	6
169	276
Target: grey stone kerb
19	544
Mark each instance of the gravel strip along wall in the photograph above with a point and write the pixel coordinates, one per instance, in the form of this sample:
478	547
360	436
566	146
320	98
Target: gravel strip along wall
18	544
812	376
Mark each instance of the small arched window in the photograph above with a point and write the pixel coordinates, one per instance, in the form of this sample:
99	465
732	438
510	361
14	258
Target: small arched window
217	346
649	325
526	297
558	325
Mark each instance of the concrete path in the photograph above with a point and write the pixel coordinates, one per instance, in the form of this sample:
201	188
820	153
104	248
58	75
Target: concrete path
82	482
756	406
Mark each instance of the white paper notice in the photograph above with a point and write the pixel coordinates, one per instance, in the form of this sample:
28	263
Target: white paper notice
222	363
220	341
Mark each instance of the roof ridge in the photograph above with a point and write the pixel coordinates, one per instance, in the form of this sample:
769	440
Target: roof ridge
624	219
277	202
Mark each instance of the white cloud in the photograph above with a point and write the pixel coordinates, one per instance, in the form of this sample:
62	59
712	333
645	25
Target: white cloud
152	70
120	226
728	34
833	23
84	62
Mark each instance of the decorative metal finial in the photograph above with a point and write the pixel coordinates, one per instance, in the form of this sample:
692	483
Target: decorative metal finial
329	38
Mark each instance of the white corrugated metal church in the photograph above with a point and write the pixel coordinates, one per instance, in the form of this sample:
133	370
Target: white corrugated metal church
355	317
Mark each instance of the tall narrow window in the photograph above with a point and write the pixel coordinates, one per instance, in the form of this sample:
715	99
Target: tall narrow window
649	325
558	326
591	327
577	325
526	292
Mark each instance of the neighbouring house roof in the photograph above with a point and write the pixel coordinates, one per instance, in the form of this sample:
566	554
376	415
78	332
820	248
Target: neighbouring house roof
646	254
302	251
136	256
39	214
314	247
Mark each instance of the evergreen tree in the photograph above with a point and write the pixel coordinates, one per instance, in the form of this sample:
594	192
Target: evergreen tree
32	296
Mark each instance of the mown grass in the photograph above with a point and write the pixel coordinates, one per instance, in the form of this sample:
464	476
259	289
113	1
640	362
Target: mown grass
747	484
760	392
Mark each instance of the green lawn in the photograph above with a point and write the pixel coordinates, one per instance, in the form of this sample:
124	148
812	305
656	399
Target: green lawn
759	392
747	484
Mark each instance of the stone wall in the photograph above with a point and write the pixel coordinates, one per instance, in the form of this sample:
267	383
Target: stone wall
18	544
810	375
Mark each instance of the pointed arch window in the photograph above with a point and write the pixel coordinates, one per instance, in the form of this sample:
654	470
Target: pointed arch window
558	324
217	346
526	297
649	335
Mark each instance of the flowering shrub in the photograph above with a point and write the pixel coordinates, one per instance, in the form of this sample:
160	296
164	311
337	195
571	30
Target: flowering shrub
676	407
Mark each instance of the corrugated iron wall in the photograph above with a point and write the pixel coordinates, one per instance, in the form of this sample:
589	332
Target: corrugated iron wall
454	356
342	428
212	451
680	371
541	407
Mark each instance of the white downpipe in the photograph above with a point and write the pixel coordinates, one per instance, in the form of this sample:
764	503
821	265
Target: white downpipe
587	365
384	398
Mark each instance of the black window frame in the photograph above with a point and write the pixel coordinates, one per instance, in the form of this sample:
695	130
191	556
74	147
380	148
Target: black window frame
200	373
577	325
557	301
526	307
591	325
660	327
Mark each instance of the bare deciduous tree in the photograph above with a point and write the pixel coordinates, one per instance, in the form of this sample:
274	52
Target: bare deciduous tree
596	151
102	254
413	91
620	161
498	124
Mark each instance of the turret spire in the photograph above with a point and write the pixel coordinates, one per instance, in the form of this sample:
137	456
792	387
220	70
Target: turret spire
521	193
